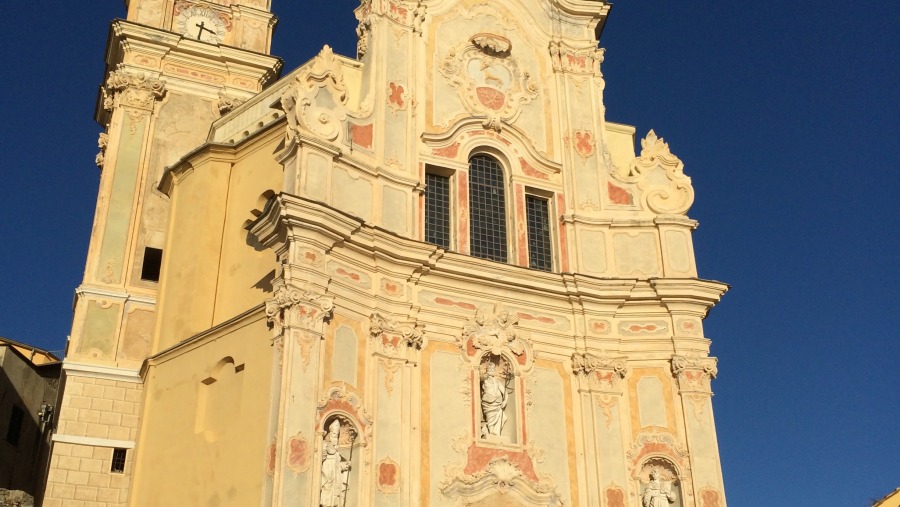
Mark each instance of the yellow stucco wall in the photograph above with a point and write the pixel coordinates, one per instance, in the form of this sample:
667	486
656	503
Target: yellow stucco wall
206	410
212	269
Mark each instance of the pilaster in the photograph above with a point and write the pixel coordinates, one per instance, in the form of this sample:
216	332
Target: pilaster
694	375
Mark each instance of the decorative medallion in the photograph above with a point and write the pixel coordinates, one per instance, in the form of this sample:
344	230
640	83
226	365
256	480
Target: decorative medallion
488	78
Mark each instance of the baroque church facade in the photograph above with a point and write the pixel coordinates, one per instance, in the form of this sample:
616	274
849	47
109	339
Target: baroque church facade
433	274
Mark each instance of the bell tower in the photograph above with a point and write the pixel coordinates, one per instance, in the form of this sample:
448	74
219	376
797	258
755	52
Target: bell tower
173	67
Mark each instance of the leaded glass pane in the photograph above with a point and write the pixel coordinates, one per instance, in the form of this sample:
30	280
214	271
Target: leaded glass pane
487	209
437	210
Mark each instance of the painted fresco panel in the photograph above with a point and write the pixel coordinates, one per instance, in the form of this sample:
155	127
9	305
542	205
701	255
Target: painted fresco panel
121	199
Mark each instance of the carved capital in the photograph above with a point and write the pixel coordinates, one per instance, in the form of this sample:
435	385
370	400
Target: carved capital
134	90
391	335
694	373
603	372
576	61
294	307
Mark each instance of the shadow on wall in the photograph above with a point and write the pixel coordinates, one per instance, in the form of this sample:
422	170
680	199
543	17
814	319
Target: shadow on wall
24	444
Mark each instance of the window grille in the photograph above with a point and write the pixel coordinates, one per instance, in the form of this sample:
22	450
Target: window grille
537	214
437	210
118	461
487	209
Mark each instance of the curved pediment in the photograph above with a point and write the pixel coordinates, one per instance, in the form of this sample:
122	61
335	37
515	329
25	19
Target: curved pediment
473	133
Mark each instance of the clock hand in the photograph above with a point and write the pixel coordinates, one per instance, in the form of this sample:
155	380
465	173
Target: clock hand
202	27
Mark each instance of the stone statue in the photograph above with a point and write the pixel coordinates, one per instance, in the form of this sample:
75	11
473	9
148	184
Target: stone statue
658	493
493	403
335	470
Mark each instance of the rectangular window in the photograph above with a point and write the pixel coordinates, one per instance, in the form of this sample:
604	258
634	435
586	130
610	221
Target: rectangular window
537	215
15	425
152	264
437	210
118	461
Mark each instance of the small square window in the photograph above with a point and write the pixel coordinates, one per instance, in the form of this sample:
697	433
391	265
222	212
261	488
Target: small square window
118	461
152	264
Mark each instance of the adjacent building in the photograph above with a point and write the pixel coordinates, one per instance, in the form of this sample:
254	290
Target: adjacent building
431	274
29	383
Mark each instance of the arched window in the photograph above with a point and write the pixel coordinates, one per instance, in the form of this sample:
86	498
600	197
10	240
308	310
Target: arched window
487	209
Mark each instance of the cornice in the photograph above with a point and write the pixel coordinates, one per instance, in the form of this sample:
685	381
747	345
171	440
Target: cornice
104	292
288	216
257	312
74	369
128	37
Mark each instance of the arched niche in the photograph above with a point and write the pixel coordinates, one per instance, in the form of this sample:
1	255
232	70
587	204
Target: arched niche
499	399
340	461
659	483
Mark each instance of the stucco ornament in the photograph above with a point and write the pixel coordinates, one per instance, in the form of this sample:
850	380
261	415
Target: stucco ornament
488	78
228	103
308	108
501	475
495	333
659	176
102	143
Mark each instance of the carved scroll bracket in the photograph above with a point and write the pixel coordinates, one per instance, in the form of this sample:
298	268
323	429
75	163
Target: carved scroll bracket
659	175
694	374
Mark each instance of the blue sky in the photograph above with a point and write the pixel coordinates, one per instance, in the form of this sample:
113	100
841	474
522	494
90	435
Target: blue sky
786	116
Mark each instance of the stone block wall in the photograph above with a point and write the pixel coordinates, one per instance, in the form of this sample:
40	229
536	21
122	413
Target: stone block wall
97	416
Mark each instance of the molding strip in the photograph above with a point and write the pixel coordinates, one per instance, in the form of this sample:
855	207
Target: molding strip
95	442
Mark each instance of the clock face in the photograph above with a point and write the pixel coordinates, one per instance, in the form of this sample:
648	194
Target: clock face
201	23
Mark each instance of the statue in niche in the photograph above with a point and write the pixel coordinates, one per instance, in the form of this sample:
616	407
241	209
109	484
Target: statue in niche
495	390
658	493
335	469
